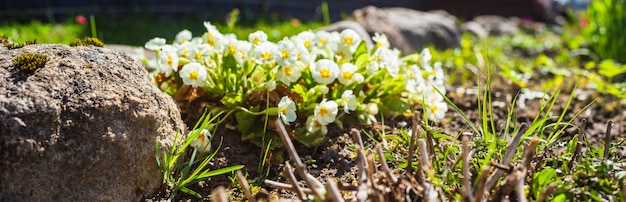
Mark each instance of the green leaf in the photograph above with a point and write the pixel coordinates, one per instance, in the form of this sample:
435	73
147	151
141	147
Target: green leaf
361	60
360	50
308	139
542	179
395	104
220	171
560	198
232	100
610	69
190	192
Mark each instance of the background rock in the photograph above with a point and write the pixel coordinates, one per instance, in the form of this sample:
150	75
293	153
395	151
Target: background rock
410	30
497	25
82	128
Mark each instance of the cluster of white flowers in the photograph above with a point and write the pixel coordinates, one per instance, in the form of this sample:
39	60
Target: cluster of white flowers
323	56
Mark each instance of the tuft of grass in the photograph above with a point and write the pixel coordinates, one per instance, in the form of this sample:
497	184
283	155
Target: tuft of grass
182	167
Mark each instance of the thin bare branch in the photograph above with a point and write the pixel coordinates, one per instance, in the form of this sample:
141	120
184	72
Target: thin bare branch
245	186
510	152
607	139
332	191
219	194
467	185
480	189
546	192
292	179
383	164
415	131
293	155
285	186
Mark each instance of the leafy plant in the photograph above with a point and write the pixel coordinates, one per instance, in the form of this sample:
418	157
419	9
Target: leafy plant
606	28
310	80
182	167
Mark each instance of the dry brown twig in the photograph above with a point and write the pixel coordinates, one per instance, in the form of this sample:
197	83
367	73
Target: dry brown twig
244	186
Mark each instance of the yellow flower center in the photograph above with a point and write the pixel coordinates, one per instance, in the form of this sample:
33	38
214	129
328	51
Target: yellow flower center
183	41
287	71
325	73
283	110
347	75
198	55
411	76
256	41
434	109
243	54
184	53
299	57
232	49
348	40
379	44
322	42
284	53
266	55
341	54
170	60
202	138
323	111
307	43
193	75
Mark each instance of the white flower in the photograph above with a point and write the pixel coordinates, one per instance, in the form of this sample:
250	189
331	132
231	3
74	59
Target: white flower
305	39
257	37
324	39
348	71
270	85
349	38
183	36
371	108
214	38
168	60
326	112
289	74
199	52
287	52
312	125
287	110
155	44
138	53
184	50
325	71
348	101
425	57
387	59
202	142
242	51
437	110
381	40
193	74
415	81
265	52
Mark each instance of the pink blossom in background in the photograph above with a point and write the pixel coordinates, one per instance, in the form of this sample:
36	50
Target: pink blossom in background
80	19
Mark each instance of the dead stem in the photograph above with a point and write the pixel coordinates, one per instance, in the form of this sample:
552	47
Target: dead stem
480	189
244	186
332	191
415	131
510	152
383	164
219	194
467	191
546	192
607	139
299	166
291	178
285	186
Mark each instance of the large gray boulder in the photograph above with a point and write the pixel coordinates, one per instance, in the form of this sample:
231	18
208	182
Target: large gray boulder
82	128
410	30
